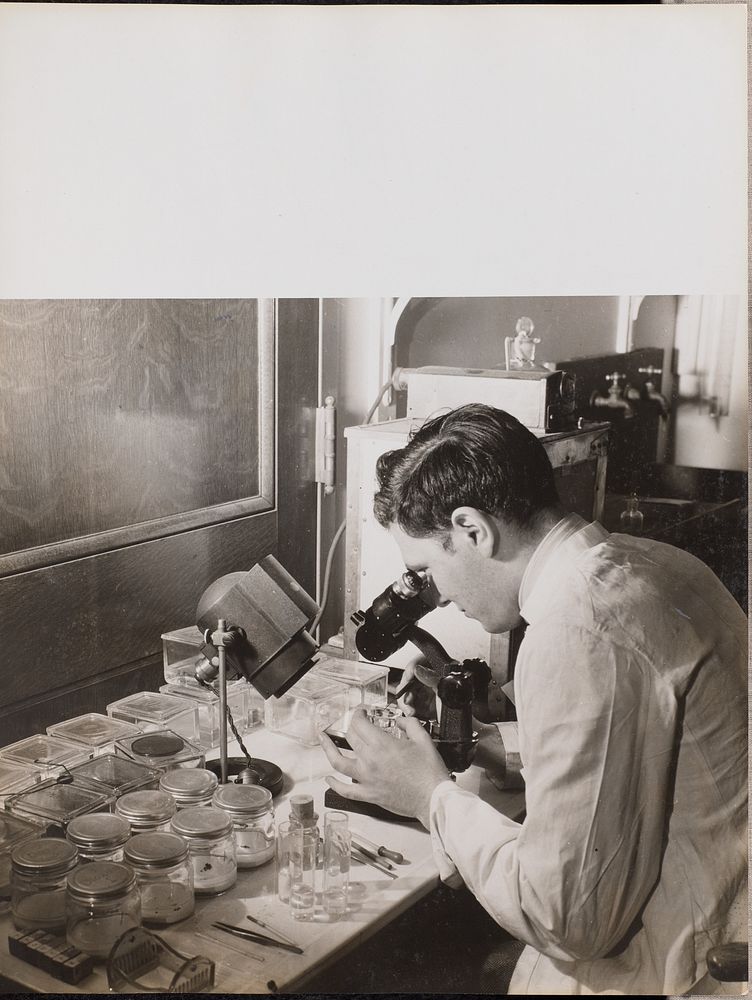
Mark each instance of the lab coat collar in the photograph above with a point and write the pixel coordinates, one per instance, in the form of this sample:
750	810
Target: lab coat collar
563	543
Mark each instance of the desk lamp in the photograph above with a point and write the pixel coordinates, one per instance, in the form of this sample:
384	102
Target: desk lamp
254	626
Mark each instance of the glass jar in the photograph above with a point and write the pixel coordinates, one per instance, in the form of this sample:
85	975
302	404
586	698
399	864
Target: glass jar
189	786
165	877
99	837
13	833
209	834
102	902
39	870
252	814
147	812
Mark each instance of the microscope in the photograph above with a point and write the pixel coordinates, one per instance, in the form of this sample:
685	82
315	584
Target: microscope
388	624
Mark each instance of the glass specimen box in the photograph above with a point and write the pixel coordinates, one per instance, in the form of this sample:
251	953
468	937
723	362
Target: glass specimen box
13	831
367	682
311	705
150	710
161	750
44	752
115	775
209	710
181	651
93	730
55	803
15	778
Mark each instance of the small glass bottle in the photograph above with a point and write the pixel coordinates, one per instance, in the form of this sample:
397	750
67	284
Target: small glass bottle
252	814
102	902
282	859
631	519
336	862
147	812
165	877
211	844
39	871
189	787
98	836
304	854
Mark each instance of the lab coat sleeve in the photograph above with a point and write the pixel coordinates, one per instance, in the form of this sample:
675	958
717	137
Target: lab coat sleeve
596	739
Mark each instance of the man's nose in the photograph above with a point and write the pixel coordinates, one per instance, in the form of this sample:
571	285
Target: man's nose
436	598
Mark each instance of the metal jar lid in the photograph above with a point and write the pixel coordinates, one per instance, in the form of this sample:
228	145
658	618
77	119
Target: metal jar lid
146	807
156	850
101	880
189	783
243	800
48	856
158	745
98	831
201	821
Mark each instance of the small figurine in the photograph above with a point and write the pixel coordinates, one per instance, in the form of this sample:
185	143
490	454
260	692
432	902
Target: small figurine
520	350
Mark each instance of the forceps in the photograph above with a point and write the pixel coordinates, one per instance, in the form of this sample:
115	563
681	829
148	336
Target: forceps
256	938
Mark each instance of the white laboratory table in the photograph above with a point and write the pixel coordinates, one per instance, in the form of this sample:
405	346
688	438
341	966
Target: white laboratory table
243	967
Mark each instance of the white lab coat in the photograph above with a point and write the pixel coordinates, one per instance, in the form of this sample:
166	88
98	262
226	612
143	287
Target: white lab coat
630	689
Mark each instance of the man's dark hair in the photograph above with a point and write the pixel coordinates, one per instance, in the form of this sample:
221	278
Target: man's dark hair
474	456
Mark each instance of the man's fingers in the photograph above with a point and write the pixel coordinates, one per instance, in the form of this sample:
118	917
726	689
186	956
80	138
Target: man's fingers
345	788
412	728
345	765
364	732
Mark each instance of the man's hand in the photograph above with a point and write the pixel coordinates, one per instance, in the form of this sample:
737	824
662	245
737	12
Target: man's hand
399	775
419	699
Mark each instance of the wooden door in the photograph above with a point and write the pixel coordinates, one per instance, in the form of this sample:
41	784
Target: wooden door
147	447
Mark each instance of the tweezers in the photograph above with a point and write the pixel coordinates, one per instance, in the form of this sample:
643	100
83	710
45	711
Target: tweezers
247	935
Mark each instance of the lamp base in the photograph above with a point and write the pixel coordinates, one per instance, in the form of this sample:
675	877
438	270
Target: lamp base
261	772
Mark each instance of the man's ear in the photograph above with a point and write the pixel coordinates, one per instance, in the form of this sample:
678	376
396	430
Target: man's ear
475	528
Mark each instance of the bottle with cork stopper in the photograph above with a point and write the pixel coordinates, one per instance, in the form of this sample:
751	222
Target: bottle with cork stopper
304	853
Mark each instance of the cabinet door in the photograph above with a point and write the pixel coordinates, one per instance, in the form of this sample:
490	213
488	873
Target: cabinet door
146	448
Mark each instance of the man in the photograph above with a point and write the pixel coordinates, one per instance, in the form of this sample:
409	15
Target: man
630	690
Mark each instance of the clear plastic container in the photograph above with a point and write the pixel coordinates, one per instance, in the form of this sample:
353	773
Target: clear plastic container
94	730
190	787
13	832
366	682
252	814
209	714
147	812
211	843
312	705
38	875
98	836
55	803
117	775
150	710
42	753
102	902
165	876
162	750
15	778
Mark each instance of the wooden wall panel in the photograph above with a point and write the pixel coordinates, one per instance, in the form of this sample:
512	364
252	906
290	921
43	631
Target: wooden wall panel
83	619
113	413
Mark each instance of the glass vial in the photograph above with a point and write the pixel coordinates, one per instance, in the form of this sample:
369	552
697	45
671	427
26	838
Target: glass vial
165	877
631	519
38	876
282	859
336	863
102	902
304	854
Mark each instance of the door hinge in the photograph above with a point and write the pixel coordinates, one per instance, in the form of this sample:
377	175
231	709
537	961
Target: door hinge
326	440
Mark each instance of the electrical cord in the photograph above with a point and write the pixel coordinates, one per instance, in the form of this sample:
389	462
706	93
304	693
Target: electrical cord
233	727
341	529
